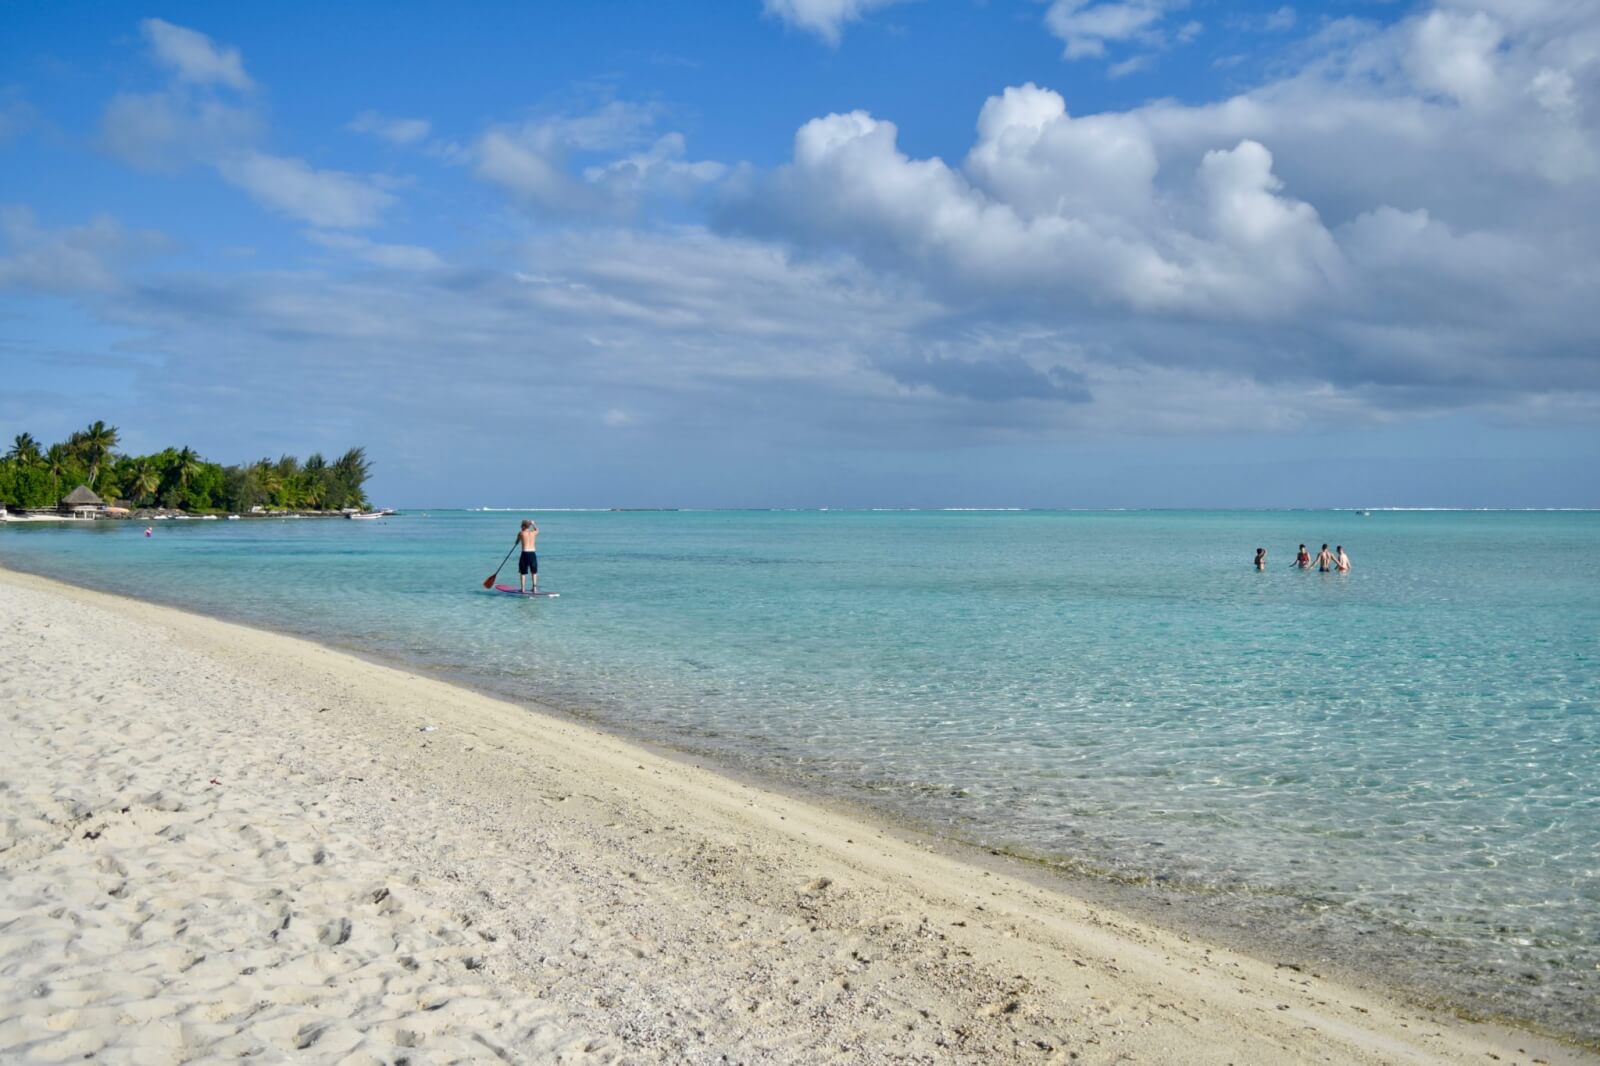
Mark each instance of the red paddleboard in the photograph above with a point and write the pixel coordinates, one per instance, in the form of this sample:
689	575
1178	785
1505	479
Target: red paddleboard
512	590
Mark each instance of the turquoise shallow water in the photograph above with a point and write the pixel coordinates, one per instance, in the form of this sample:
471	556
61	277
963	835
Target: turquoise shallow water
1401	761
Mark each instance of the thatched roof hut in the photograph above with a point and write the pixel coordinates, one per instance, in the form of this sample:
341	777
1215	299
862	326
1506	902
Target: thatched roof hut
81	500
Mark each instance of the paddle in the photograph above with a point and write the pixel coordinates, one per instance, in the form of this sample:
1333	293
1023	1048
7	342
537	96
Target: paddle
488	582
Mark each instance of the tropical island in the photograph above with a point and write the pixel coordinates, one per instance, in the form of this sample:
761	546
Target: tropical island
87	467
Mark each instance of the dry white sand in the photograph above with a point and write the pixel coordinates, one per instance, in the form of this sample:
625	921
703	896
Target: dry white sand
217	842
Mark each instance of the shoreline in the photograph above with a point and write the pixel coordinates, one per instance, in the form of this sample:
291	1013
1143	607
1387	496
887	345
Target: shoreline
1045	933
1368	952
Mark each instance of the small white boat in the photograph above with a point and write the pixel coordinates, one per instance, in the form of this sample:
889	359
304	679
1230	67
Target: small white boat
366	516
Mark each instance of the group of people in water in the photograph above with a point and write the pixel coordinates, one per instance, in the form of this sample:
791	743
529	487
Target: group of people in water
1325	560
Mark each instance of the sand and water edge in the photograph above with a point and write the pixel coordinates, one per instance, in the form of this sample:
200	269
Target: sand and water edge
222	841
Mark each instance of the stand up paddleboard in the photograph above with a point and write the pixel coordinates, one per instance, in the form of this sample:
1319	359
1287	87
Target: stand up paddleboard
512	590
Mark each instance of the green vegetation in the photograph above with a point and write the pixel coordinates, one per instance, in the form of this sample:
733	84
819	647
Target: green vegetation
176	478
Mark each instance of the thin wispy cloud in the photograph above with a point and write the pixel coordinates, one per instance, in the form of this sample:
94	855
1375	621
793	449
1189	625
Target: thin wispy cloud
172	129
824	18
186	124
542	162
387	256
193	57
391	129
321	197
1086	27
16	116
69	259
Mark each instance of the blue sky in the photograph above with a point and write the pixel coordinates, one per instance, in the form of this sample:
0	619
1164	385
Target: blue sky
819	252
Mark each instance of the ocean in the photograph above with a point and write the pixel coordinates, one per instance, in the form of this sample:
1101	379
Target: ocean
1395	767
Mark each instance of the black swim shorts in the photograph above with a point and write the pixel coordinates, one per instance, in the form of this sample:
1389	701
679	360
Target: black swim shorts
529	563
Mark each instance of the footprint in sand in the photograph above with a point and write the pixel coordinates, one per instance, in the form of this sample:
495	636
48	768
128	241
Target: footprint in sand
335	932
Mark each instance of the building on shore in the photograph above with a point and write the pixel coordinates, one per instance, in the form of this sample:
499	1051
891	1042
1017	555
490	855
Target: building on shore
81	502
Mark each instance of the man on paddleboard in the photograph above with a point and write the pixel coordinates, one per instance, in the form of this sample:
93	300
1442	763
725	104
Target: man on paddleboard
528	563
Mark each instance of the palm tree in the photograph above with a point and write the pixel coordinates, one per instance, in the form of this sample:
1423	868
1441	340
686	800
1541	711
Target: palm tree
24	450
315	475
269	480
354	461
286	476
55	464
350	472
96	443
187	466
145	481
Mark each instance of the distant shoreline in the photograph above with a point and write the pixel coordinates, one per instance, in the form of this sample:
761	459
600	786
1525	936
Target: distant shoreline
40	515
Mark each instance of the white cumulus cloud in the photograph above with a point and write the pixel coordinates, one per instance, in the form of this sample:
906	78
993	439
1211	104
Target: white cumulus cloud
1031	155
1455	54
1408	219
1051	207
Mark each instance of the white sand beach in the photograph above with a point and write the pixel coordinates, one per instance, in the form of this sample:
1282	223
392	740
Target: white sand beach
219	843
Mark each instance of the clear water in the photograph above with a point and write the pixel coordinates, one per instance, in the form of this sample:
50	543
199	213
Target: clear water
1402	759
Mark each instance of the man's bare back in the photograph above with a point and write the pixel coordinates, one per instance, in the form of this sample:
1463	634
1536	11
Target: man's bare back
528	565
